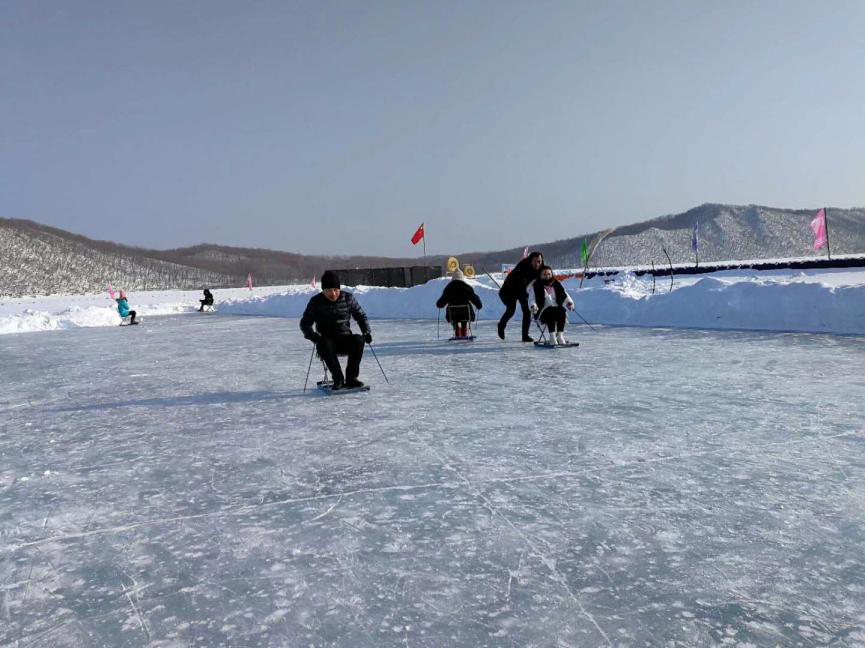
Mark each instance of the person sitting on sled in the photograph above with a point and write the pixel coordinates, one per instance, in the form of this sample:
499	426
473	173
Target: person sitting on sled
331	312
207	301
547	302
123	308
459	297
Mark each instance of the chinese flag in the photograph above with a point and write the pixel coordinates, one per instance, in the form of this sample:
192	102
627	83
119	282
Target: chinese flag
417	235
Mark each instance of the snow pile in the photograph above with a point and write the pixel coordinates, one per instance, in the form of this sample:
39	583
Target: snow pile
819	301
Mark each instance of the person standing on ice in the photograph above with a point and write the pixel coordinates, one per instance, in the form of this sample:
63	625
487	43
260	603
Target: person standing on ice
123	307
513	290
331	312
548	300
459	293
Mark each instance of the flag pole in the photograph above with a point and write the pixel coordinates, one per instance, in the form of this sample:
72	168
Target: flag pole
826	222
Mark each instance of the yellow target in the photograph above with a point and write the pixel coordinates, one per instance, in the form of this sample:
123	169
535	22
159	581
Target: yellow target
453	264
469	271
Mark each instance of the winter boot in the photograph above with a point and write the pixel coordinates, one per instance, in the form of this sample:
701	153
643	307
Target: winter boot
560	337
501	330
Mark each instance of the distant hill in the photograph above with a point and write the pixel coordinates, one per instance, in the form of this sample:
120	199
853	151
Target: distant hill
38	260
726	233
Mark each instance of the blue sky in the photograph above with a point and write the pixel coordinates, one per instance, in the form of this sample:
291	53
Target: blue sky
337	127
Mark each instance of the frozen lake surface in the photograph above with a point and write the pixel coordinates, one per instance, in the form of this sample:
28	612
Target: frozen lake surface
170	485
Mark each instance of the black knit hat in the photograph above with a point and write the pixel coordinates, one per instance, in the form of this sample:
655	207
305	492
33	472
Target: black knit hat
329	280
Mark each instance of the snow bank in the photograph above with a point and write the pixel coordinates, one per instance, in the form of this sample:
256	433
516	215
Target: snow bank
812	301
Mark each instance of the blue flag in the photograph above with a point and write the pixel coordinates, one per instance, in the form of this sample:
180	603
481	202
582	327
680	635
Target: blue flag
695	239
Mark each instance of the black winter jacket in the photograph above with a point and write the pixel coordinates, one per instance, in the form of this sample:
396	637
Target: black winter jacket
332	318
518	279
458	293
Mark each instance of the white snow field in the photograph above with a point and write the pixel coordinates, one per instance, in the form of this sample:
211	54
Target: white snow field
816	301
171	484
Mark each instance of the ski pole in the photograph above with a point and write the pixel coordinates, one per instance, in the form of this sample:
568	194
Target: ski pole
438	321
309	368
379	363
584	319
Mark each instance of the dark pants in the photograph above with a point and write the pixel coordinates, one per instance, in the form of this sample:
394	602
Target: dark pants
131	316
205	302
510	303
554	317
330	347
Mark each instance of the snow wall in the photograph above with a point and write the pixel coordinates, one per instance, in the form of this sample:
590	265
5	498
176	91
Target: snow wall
813	303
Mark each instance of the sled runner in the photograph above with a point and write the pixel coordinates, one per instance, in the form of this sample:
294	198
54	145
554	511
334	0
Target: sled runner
125	322
466	338
327	387
546	345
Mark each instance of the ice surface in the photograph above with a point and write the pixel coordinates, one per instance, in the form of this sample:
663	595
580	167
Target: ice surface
171	485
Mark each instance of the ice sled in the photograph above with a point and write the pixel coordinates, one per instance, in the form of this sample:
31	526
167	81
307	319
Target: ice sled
547	345
327	387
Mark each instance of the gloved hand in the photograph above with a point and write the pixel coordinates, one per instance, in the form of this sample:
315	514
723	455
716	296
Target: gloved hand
367	337
570	305
315	338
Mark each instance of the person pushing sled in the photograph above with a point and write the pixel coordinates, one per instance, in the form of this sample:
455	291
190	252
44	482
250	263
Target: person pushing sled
549	303
331	311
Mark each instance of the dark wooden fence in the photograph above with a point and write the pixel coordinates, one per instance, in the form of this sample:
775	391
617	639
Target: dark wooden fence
390	277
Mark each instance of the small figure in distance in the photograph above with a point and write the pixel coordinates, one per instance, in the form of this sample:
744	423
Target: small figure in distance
331	311
459	297
123	308
207	301
548	300
513	290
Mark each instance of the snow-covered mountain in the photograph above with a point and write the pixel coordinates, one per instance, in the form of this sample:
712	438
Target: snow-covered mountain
726	233
40	260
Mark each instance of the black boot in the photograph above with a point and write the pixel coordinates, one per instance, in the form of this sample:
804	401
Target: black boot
501	330
528	338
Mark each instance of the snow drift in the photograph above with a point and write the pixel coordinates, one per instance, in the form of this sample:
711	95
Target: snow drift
816	302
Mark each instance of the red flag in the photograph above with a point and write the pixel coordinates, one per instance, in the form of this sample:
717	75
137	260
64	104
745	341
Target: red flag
417	235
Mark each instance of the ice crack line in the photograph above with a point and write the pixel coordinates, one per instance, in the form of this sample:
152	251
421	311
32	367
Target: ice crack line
249	508
548	562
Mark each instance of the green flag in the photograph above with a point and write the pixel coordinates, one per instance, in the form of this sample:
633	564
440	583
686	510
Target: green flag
584	253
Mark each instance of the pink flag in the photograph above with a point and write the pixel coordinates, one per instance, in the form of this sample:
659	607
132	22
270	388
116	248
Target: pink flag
111	291
312	283
819	227
249	281
525	251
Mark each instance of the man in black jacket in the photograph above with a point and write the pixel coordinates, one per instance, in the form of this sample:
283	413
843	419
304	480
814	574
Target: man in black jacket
513	290
331	311
459	297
